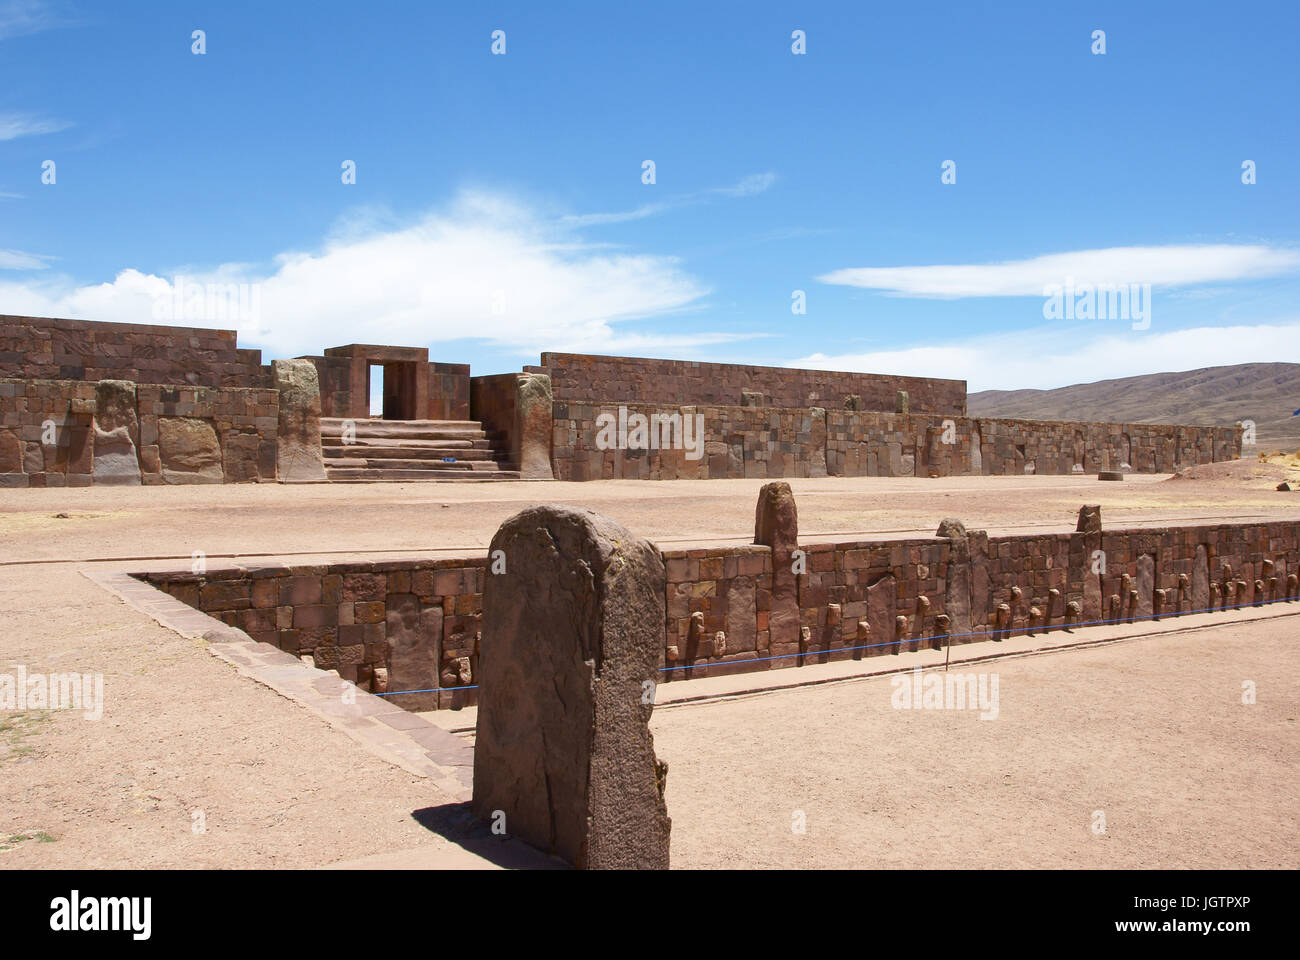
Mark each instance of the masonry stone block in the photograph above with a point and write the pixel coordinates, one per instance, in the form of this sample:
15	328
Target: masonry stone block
189	450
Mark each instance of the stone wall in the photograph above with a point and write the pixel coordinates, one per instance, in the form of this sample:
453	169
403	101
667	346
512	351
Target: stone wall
494	402
770	442
449	391
416	624
389	627
177	434
900	590
581	378
754	442
42	348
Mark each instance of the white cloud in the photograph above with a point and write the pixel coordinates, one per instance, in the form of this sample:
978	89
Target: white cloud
15	125
599	219
1164	266
485	267
19	17
21	260
1056	357
748	186
754	183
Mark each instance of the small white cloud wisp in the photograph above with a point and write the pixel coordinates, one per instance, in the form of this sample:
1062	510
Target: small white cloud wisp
1062	356
1175	265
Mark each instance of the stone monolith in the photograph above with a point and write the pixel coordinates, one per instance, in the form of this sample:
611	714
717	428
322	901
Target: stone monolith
573	638
534	411
298	455
776	525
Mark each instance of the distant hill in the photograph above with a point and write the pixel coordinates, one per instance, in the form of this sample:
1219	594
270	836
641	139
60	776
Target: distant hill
1267	393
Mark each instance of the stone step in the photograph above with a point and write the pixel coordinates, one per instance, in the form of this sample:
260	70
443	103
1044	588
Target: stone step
359	451
364	475
393	463
399	450
405	429
404	443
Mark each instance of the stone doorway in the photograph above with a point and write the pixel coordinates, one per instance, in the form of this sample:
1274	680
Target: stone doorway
400	393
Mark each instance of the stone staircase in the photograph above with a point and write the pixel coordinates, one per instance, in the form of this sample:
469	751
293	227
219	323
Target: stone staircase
412	450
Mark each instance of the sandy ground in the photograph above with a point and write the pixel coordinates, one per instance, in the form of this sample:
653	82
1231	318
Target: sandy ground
1151	732
248	519
182	732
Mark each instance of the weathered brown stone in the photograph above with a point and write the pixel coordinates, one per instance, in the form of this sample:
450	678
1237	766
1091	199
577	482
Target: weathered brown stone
189	450
534	412
1089	519
957	592
11	452
298	455
115	403
115	461
572	643
413	637
882	598
1201	580
240	457
776	525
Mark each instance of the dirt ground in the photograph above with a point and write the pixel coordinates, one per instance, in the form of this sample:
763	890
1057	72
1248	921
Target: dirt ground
183	734
1150	732
106	522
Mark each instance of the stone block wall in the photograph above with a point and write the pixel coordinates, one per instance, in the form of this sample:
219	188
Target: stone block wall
43	348
184	434
390	627
770	442
449	391
900	589
1019	446
582	378
414	625
754	442
26	460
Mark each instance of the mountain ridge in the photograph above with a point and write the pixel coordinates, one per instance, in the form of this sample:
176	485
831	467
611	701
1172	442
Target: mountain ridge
1267	393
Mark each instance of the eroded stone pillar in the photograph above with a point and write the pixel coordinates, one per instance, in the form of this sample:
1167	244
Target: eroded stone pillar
776	525
1088	531
573	638
298	456
534	408
957	590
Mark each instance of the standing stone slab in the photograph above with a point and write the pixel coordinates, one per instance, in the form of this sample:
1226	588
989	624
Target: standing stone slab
115	462
1088	529
298	455
572	631
117	434
776	525
534	405
957	590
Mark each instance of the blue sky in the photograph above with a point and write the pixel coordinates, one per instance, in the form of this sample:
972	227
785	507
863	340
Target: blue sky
499	208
